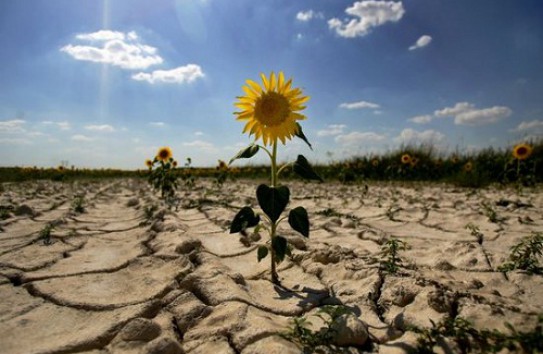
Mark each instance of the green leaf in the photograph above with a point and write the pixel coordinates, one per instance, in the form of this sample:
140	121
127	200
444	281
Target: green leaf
272	200
245	218
298	220
300	134
246	153
280	246
262	252
304	169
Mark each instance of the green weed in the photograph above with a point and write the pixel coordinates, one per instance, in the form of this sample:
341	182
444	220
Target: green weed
525	255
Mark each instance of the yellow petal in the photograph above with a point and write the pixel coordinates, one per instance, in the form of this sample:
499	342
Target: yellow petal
265	81
272	81
250	93
256	87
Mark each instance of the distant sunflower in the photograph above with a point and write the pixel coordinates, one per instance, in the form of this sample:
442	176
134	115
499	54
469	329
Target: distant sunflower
174	163
60	168
164	154
414	161
222	165
468	167
375	162
271	110
406	159
522	151
149	163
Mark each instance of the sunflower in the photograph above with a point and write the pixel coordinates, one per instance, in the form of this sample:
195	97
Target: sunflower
222	165
468	166
406	159
414	161
522	151
271	110
164	154
174	163
149	163
375	162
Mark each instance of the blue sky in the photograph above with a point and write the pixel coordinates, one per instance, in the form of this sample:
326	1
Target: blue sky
106	83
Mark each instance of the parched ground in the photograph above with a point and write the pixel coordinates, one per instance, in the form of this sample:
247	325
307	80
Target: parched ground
124	278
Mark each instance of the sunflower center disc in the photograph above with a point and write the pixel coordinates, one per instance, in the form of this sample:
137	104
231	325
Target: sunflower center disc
271	109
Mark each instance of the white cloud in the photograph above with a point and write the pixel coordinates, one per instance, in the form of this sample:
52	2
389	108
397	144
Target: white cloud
116	49
101	128
421	42
157	124
367	14
102	35
535	125
201	145
482	116
198	133
61	125
15	141
332	129
458	108
359	105
180	75
12	126
356	138
305	16
421	119
412	136
80	137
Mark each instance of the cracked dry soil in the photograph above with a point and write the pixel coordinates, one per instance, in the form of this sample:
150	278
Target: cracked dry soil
115	281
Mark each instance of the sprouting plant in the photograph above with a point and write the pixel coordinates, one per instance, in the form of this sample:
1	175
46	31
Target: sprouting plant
187	176
490	212
271	114
163	177
389	250
474	230
5	211
149	211
45	234
524	255
470	339
222	173
301	333
78	204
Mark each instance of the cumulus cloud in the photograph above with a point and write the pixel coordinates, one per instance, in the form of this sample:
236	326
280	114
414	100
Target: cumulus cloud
157	124
305	16
534	125
12	126
82	138
421	42
201	145
180	75
412	136
483	116
365	16
421	119
101	128
465	113
357	138
458	108
332	129
359	105
115	48
64	125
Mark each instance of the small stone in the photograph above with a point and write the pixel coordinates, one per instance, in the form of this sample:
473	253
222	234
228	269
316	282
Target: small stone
24	210
140	329
132	202
164	345
349	331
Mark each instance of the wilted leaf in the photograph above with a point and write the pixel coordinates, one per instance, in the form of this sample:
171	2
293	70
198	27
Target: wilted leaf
300	134
272	200
262	252
298	220
304	169
246	153
245	218
280	247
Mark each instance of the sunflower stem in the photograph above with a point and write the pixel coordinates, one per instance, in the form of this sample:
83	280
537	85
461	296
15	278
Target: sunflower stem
275	278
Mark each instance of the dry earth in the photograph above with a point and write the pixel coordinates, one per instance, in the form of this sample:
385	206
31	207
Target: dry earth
114	282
